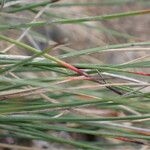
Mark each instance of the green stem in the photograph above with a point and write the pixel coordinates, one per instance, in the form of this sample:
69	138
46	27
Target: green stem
77	20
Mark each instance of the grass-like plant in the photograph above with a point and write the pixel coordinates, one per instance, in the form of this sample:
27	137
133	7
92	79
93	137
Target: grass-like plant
94	99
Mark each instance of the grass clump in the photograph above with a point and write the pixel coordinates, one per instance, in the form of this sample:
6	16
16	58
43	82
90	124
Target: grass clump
47	91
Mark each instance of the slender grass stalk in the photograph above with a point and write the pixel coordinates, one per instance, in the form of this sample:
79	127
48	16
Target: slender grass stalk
71	21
